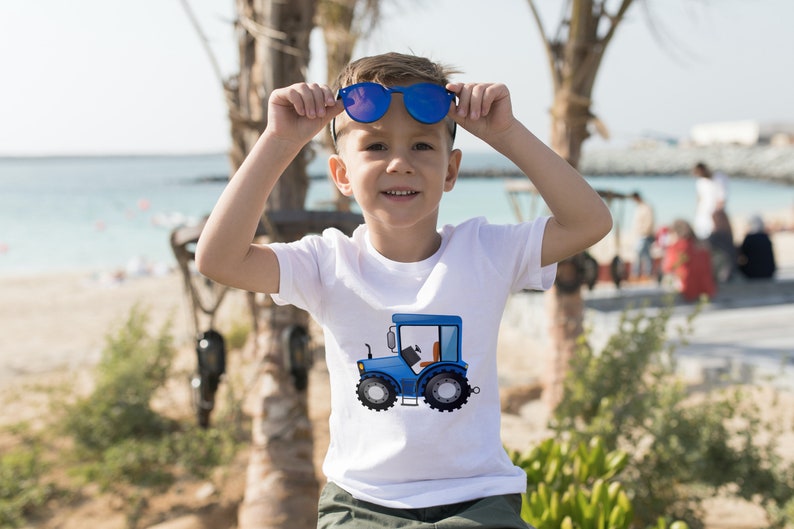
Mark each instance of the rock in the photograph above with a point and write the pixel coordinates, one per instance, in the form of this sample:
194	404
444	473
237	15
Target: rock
763	162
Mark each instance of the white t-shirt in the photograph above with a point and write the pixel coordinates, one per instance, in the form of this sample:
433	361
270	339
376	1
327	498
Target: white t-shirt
711	192
412	455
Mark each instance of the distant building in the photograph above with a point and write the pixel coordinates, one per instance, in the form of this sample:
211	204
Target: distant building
746	132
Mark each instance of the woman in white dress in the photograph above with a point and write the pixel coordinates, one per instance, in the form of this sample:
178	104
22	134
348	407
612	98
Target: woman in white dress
712	193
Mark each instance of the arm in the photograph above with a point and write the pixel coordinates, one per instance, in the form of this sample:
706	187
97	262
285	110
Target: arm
579	217
225	252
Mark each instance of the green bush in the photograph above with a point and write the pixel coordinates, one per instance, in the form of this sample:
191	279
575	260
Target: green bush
133	366
571	486
681	453
119	438
23	489
119	441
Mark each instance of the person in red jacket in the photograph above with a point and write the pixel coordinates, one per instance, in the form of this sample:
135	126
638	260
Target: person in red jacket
689	261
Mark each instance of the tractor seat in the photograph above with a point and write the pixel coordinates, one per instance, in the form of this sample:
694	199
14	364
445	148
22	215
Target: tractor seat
436	355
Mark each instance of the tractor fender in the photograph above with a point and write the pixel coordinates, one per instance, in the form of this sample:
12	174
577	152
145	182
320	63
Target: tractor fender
438	367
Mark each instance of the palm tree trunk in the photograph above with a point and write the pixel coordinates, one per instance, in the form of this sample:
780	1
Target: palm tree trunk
574	53
281	484
565	306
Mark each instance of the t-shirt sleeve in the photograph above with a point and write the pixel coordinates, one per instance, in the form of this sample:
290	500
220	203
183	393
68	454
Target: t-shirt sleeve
299	279
517	248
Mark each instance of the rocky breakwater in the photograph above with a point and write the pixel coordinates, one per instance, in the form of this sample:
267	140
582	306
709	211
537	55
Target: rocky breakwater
774	163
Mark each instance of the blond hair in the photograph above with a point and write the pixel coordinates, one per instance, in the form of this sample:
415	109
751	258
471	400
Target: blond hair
393	68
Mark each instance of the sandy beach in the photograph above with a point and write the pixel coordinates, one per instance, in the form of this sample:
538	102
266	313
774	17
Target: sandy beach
54	327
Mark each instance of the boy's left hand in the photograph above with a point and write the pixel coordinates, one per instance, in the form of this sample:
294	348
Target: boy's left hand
483	109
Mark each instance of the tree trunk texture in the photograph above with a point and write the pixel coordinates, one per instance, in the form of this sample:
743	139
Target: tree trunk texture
565	310
281	484
340	21
574	54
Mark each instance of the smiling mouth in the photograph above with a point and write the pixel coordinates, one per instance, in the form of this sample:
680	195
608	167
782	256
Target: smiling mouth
401	193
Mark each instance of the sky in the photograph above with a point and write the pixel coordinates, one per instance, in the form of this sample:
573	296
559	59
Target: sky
91	77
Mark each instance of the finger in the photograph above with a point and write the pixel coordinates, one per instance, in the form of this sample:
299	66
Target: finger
308	100
478	92
493	93
321	98
463	96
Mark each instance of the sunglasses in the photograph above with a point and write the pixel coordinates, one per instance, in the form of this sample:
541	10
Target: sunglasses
427	103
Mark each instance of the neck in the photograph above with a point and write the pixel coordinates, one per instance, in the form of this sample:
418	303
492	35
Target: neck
405	246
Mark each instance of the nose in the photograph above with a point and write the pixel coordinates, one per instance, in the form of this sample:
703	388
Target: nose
400	162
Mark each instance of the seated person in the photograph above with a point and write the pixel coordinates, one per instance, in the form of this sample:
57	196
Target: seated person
723	250
756	256
689	261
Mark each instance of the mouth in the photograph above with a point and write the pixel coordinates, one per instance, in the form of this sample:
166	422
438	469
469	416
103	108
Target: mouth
400	193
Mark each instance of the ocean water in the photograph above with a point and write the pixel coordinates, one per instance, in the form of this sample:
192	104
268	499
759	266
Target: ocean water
105	213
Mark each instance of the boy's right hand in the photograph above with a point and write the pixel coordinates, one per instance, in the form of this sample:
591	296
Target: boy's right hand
297	113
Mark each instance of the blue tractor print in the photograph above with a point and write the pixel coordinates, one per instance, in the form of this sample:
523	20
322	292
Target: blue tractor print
437	374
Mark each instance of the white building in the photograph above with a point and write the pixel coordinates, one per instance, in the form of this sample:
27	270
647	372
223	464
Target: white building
747	132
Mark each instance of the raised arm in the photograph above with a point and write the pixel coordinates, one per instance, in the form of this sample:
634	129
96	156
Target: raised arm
225	251
580	218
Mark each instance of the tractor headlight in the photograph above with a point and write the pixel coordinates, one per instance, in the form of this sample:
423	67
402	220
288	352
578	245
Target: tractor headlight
361	367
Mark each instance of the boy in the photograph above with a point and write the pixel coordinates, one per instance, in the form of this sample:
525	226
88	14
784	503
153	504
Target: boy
434	454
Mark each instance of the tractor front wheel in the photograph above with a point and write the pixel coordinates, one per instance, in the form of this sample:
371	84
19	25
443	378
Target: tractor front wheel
377	393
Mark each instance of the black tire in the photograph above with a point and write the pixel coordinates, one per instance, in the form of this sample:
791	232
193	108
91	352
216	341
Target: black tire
376	393
589	268
203	416
617	270
446	391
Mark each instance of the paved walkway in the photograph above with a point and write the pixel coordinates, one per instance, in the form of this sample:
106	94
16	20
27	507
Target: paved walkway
746	334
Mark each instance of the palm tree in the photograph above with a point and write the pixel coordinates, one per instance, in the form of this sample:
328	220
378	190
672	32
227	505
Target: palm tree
574	53
281	487
343	23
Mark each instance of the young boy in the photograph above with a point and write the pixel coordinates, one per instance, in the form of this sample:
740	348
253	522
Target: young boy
415	433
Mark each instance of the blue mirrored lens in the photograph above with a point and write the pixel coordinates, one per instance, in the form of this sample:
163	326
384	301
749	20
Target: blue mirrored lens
427	102
365	102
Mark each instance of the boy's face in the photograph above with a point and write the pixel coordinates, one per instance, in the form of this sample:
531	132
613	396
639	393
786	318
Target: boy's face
396	168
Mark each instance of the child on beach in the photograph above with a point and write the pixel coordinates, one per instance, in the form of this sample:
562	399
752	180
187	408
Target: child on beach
687	260
433	455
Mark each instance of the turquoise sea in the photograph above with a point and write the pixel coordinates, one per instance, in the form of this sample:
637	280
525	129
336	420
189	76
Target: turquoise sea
103	213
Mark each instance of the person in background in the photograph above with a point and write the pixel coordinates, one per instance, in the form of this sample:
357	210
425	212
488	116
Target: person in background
688	260
756	257
644	234
723	249
712	196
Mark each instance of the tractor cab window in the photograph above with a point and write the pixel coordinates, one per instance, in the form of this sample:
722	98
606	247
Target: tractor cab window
416	345
423	345
449	343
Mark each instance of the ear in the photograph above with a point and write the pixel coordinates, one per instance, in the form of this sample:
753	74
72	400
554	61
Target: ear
338	170
453	167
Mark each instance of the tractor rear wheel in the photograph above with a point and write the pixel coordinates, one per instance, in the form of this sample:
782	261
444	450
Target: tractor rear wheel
447	391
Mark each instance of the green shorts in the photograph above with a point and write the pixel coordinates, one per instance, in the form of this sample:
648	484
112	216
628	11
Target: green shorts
339	509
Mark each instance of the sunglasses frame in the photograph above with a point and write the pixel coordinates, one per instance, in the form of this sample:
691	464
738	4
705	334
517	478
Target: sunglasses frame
388	91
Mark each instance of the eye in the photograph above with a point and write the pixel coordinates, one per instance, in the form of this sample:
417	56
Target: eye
423	147
376	147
